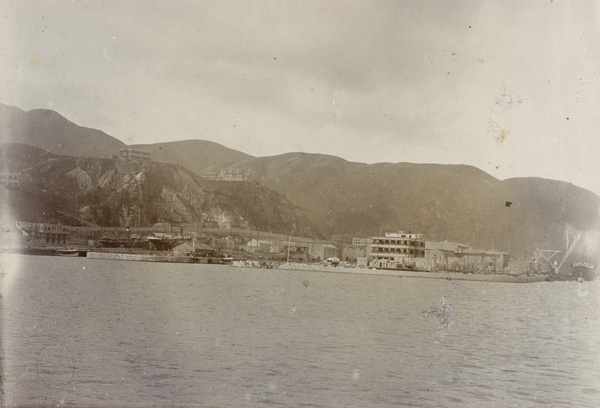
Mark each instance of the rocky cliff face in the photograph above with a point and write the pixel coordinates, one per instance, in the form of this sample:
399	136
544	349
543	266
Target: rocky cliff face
113	192
458	203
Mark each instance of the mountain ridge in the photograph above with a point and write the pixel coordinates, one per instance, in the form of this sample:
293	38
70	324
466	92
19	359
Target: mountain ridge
53	132
113	192
455	202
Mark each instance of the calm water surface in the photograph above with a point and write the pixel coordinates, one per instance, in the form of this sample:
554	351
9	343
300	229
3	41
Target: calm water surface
84	332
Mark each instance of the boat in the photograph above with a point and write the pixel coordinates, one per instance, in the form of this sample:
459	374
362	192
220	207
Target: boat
132	242
584	271
67	252
216	258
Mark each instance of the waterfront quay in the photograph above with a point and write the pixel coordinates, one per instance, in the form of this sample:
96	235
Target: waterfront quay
451	276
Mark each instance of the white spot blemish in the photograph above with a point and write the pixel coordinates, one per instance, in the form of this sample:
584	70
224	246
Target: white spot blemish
104	52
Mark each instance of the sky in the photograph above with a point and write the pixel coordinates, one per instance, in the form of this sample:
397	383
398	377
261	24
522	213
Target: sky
510	87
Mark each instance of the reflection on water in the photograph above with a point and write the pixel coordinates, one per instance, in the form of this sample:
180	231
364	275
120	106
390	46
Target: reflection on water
84	332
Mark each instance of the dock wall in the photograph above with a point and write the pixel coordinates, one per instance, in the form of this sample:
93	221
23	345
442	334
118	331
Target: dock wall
139	257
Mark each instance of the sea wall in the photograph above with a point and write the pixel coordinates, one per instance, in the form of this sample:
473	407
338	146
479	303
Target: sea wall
416	274
139	257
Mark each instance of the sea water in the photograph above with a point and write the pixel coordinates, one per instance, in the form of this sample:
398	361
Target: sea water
87	332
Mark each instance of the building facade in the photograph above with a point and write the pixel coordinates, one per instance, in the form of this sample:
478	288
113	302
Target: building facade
398	250
320	252
38	233
227	175
261	245
457	257
361	242
129	154
9	179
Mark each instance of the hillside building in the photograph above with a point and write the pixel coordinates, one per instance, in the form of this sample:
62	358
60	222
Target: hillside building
227	175
129	154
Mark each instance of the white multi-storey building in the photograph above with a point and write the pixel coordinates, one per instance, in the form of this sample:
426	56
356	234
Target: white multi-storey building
398	250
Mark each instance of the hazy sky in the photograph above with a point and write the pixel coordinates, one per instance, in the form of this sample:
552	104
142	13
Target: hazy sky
511	87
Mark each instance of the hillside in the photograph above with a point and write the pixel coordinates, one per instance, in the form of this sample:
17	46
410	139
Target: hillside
195	155
50	131
455	202
116	193
18	156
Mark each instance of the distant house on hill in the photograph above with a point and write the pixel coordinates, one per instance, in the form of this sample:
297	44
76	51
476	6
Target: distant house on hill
227	175
129	154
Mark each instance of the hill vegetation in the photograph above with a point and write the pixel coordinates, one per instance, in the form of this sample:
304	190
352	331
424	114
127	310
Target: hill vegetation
444	202
312	194
107	192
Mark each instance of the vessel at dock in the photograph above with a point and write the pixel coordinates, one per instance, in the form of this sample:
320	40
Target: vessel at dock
131	242
584	271
67	252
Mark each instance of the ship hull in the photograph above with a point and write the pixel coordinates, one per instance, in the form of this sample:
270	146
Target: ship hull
160	244
123	243
584	272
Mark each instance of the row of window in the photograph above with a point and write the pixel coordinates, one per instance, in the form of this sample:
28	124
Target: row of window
396	242
415	254
408	251
9	179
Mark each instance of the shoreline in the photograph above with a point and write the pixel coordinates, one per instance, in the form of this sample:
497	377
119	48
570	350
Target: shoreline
416	274
163	258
